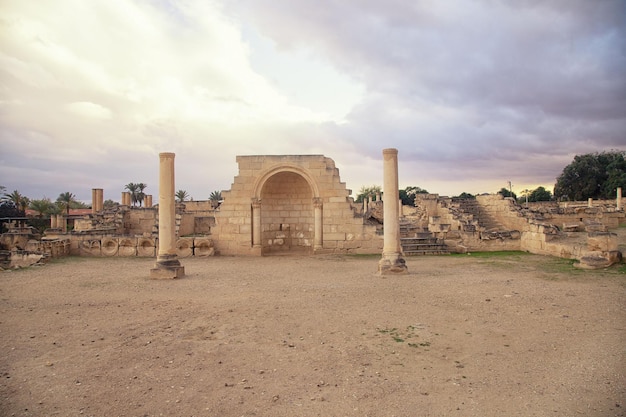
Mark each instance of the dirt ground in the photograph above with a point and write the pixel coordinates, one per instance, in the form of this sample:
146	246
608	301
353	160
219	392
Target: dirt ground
515	335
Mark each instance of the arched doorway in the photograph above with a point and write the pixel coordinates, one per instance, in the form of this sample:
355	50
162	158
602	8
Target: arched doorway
287	217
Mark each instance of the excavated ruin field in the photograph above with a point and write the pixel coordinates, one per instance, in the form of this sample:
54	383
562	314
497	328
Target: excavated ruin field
464	335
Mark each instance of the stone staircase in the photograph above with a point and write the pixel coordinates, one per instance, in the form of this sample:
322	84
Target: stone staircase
408	228
417	241
473	217
423	244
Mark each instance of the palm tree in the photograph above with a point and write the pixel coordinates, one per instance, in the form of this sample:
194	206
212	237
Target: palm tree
42	207
15	197
24	203
132	189
140	194
18	200
64	200
182	195
215	196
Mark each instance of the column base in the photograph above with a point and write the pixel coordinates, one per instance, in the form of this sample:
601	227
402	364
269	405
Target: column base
167	267
392	265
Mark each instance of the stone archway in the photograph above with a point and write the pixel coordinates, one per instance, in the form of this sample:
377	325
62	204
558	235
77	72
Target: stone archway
287	219
323	219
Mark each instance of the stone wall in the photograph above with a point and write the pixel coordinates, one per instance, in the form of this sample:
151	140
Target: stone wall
137	246
287	219
140	221
504	211
494	223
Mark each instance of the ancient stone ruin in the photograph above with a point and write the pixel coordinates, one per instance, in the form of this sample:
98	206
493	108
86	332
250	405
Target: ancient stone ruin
297	204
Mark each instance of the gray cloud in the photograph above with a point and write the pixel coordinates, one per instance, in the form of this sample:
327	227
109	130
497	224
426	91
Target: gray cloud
472	93
456	82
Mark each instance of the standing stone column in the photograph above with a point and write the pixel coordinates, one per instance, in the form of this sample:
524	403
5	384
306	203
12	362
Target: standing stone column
590	202
147	201
97	200
392	262
53	221
94	198
125	198
318	238
167	265
256	223
619	198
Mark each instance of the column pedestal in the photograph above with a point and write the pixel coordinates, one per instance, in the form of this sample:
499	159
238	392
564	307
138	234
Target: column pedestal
167	267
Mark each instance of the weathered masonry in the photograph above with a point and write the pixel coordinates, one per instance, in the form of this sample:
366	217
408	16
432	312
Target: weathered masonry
290	204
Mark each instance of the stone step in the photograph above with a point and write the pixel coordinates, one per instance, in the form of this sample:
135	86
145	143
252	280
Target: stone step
423	246
426	252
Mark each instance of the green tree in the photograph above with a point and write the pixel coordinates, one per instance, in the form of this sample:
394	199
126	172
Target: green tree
366	192
65	200
140	192
132	188
43	207
540	194
182	195
595	175
465	195
19	201
507	193
8	208
109	204
408	195
215	196
136	191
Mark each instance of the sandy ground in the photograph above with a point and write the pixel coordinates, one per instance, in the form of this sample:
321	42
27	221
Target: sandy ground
518	335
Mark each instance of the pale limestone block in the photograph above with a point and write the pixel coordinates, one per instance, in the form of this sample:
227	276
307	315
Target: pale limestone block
334	236
127	246
146	246
602	241
109	246
184	247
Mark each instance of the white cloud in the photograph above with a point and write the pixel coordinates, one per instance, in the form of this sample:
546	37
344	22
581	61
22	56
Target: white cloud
470	92
89	110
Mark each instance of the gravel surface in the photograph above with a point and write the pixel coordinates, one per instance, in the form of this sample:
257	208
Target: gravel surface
514	335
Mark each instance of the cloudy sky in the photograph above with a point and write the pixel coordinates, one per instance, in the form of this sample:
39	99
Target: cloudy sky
473	93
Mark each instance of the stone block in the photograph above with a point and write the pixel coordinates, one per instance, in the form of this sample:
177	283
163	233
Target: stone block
127	246
90	247
203	246
184	247
146	246
109	246
334	236
602	241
